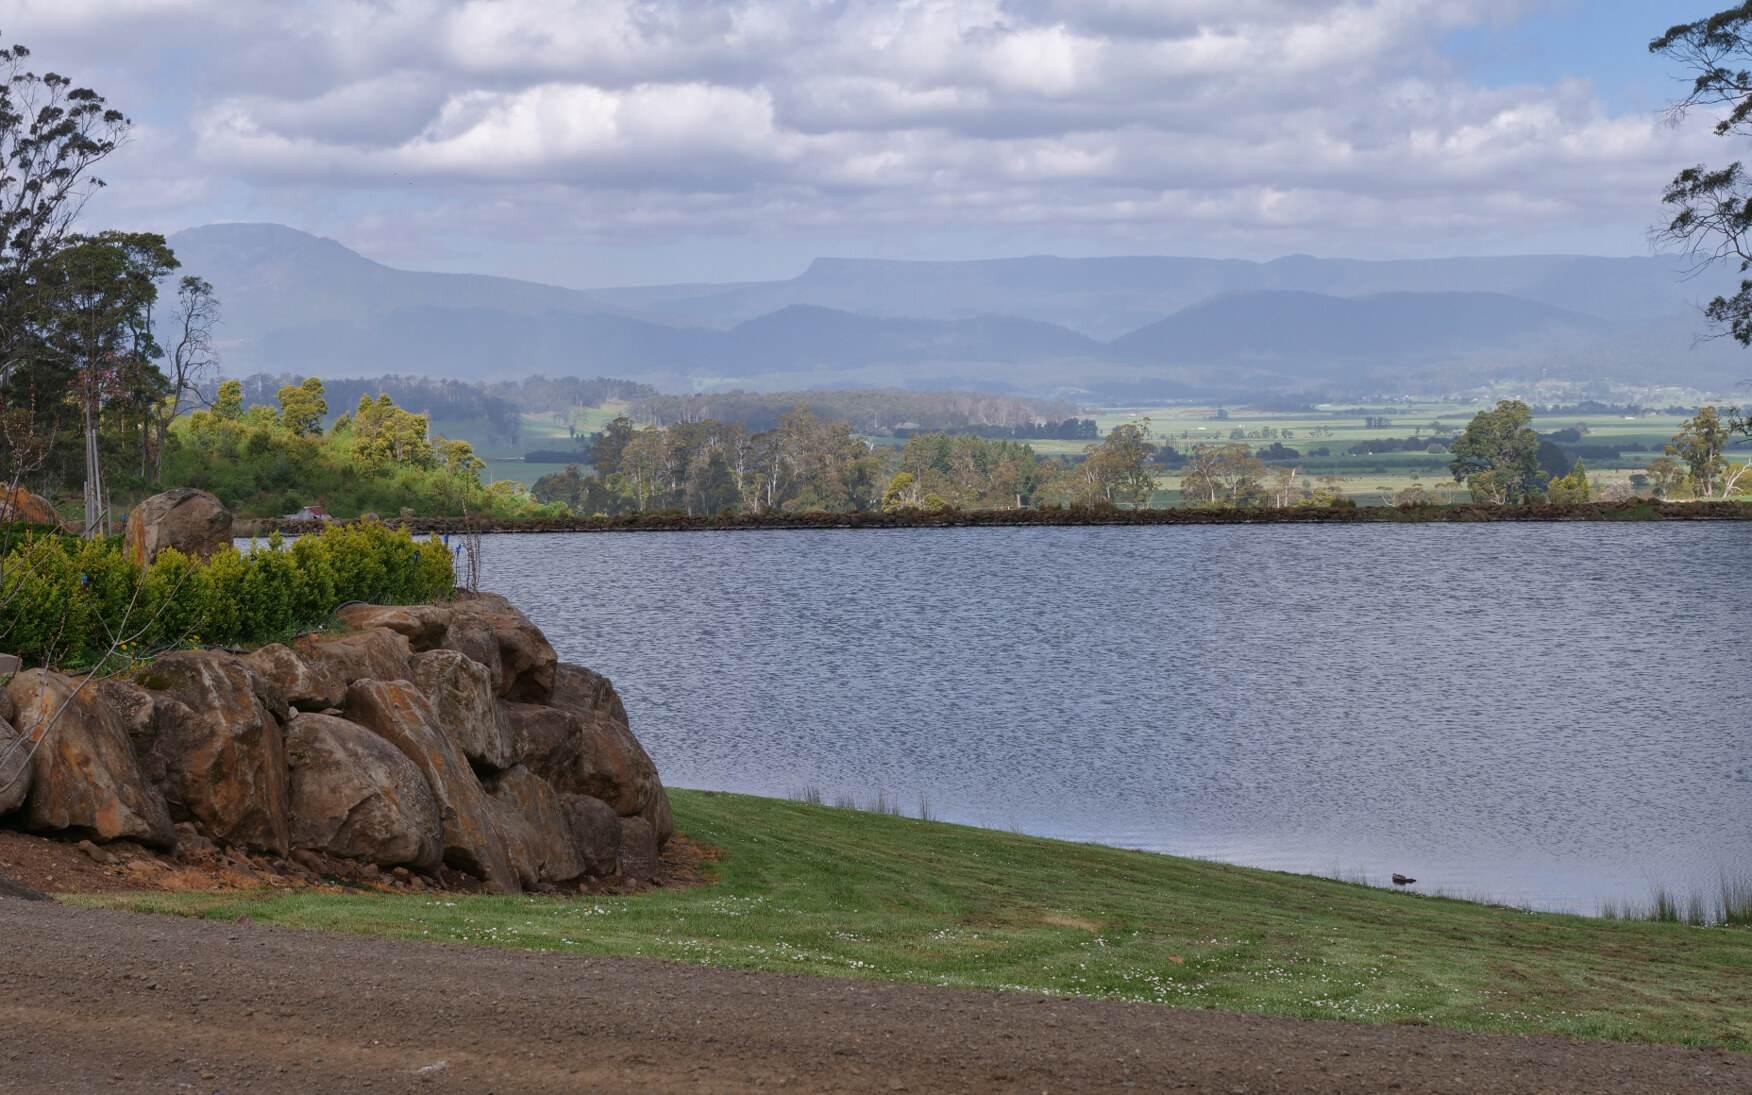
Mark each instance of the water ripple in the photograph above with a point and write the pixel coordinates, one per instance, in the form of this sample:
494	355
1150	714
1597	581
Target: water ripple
1550	714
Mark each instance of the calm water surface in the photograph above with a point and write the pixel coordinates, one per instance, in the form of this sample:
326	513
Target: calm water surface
1553	715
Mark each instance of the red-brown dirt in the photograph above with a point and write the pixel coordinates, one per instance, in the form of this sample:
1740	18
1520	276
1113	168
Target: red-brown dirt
103	1001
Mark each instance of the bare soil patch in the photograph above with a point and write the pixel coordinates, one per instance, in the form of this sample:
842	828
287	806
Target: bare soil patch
66	866
98	1000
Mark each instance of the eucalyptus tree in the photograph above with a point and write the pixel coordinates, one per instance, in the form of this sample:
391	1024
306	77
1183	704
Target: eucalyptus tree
52	135
1497	456
1711	207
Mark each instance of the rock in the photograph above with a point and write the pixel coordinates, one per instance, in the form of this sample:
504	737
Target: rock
584	690
8	710
396	712
656	813
191	521
134	706
424	626
488	629
584	754
596	833
307	685
460	690
538	837
310	861
191	843
18	504
83	775
374	655
355	795
638	854
477	641
217	751
15	768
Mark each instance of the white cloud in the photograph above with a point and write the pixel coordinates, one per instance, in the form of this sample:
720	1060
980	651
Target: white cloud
1293	117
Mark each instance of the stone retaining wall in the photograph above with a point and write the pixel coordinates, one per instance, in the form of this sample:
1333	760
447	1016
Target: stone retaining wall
433	738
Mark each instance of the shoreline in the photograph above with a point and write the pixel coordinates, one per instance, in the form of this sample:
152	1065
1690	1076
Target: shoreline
1465	513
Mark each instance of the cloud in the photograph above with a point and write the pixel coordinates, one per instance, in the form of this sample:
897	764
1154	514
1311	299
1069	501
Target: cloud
1287	119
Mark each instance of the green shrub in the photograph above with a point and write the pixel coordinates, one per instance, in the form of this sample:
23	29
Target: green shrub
68	602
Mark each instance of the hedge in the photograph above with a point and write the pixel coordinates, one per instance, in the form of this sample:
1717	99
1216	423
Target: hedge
65	601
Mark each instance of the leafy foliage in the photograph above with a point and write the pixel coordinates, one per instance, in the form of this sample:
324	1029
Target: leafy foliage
810	464
1712	206
381	458
68	602
1498	455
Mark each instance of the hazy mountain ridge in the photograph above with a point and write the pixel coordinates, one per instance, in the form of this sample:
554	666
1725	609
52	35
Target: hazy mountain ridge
295	302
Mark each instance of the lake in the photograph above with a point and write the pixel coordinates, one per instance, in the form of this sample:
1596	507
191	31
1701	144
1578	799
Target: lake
1548	715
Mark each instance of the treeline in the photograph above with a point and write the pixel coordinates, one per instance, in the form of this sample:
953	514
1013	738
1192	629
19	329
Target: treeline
1069	429
809	463
872	411
499	406
269	461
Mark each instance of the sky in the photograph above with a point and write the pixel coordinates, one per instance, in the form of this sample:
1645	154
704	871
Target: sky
617	142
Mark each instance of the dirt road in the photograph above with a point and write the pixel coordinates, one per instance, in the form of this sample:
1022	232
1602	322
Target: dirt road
114	1002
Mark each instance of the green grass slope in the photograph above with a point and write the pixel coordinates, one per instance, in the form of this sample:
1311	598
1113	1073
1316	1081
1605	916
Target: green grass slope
809	889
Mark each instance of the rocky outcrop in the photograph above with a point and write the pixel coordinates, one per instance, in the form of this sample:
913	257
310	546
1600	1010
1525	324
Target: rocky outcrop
217	752
84	777
432	739
18	504
191	521
355	795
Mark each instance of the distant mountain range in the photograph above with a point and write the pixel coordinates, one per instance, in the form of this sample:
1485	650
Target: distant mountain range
1167	326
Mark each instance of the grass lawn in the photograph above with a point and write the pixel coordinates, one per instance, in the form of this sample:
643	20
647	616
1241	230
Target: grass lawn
812	889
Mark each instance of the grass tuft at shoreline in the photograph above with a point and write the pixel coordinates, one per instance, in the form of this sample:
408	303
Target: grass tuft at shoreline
805	888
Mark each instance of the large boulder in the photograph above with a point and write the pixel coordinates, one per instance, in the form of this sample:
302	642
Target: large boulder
217	751
376	654
135	707
84	777
638	855
538	836
473	841
595	830
424	626
18	504
191	521
592	697
306	685
587	691
14	768
461	691
487	628
657	815
584	754
355	795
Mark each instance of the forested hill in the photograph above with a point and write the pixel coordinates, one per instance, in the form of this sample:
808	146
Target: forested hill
294	303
